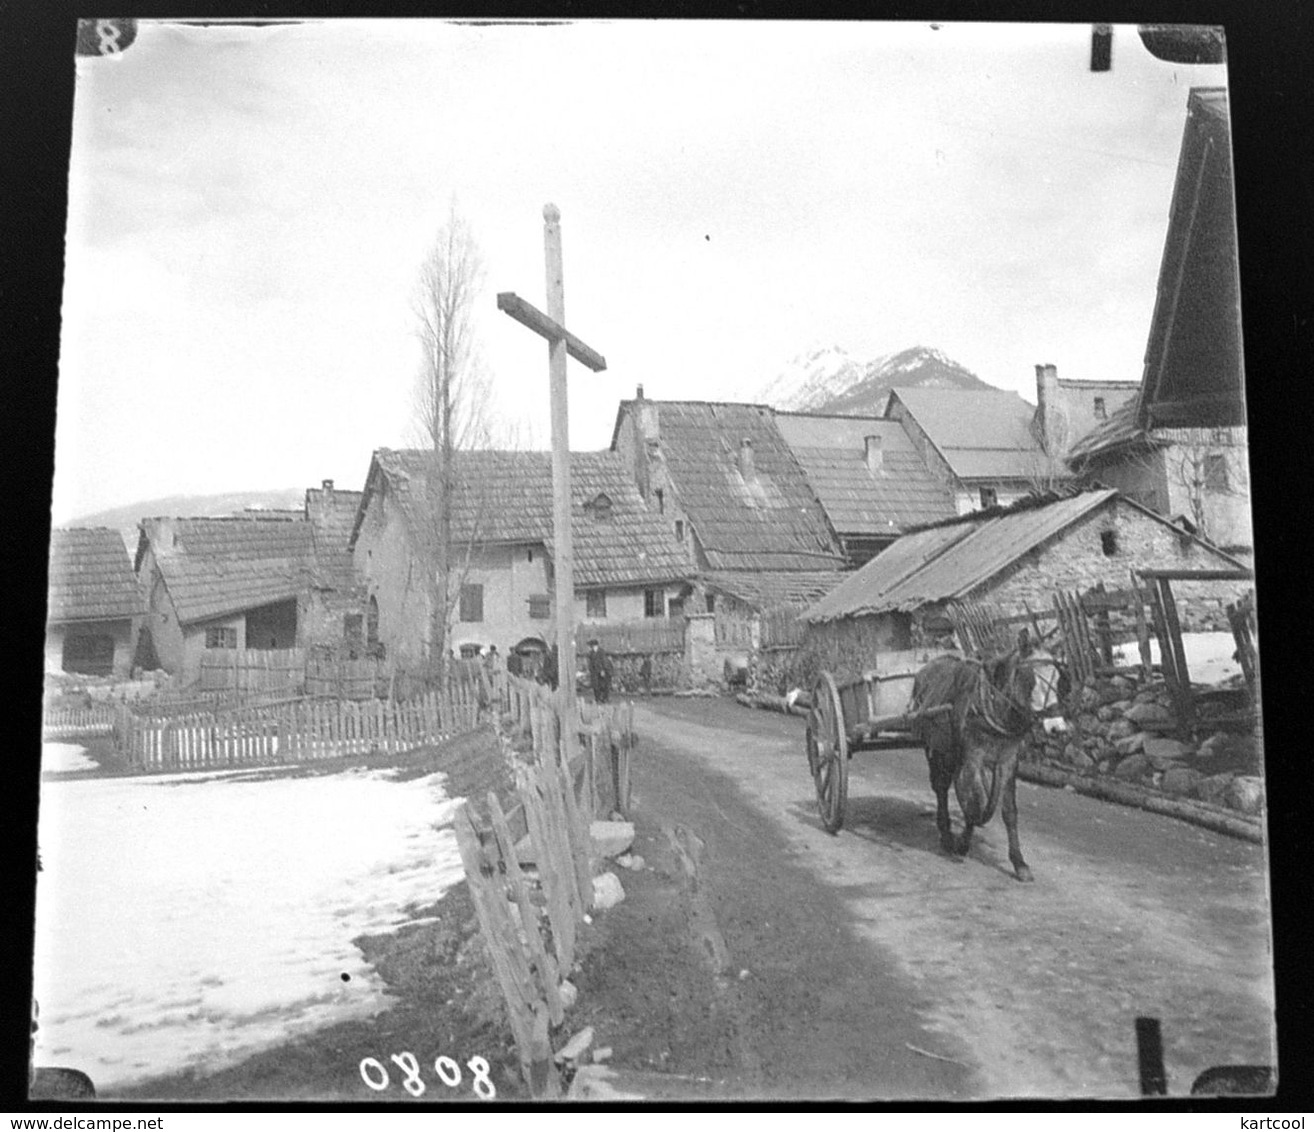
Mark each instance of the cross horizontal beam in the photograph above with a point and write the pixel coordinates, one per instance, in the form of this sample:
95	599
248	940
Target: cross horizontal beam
530	316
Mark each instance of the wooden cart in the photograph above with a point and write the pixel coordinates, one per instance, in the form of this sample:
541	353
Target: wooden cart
869	714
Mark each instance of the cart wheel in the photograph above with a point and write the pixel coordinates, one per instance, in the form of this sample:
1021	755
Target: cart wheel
828	753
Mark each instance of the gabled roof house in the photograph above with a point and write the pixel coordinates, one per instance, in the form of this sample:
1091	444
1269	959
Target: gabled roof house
869	477
93	604
729	487
628	563
1014	557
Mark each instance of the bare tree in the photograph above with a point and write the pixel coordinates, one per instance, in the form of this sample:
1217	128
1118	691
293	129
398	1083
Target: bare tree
1044	453
1204	464
452	399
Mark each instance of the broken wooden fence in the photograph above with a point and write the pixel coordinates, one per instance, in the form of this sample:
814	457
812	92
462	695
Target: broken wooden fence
530	917
292	731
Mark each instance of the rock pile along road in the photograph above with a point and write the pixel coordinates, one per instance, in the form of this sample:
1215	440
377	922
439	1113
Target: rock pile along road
869	965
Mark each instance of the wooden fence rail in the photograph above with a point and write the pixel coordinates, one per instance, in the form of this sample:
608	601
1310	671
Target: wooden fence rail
294	731
575	773
252	669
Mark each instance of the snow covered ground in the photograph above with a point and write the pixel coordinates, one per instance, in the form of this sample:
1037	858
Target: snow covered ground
1208	656
65	757
189	919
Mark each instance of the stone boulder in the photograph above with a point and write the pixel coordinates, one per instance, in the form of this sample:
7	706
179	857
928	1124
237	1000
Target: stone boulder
1121	729
1133	768
611	838
1151	717
1131	744
1181	781
607	891
1245	793
1075	757
1164	753
1213	788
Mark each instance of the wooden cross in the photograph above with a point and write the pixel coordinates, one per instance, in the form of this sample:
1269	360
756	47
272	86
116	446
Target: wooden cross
560	343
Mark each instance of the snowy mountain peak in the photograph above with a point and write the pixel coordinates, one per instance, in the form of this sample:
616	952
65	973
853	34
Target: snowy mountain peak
830	380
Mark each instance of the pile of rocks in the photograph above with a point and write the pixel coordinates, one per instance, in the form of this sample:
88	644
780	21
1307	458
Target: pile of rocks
1125	730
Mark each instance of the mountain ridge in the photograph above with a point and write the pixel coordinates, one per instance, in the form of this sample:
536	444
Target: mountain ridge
830	380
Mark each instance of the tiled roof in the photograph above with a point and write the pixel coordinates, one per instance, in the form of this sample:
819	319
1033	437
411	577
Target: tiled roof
218	566
982	434
503	497
91	577
951	559
249	536
832	452
773	589
202	588
771	523
332	514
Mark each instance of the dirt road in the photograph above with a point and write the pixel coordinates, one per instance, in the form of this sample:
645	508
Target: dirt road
870	965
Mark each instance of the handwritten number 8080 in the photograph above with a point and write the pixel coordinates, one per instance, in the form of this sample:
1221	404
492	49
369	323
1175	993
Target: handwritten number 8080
375	1075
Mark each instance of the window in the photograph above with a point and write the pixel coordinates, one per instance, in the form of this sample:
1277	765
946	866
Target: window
654	603
1100	411
679	530
472	602
372	623
661	501
599	507
989	497
540	607
221	637
677	607
353	628
531	554
595	604
470	652
711	603
1109	543
1215	471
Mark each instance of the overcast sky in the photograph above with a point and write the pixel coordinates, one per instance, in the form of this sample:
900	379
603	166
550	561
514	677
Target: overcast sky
249	206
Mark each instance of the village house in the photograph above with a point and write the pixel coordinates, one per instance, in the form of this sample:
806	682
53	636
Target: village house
982	445
628	563
1015	559
728	486
1180	445
249	581
1068	409
94	607
872	482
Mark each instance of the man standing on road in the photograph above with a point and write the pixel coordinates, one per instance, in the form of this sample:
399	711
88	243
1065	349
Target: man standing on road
600	672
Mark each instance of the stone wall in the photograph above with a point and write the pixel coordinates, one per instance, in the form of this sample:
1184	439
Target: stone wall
1083	557
1123	728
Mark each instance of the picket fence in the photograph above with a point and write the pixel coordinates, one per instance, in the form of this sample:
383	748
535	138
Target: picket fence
293	731
78	723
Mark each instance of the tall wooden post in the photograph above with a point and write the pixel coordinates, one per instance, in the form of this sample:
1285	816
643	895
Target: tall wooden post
560	344
564	559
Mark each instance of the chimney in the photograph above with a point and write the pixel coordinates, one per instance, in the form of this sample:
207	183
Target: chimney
328	487
638	392
747	467
875	458
1047	403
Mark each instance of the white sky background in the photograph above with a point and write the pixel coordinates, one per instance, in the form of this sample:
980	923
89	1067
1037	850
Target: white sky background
249	206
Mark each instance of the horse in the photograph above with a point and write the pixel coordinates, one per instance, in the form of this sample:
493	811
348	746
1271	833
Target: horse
987	708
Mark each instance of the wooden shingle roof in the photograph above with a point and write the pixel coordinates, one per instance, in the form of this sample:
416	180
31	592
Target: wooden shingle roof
506	497
91	577
832	453
771	522
778	589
